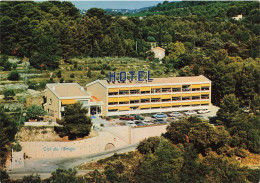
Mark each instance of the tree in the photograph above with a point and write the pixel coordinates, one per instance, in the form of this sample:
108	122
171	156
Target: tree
32	178
7	66
76	123
4	177
7	131
46	53
89	73
59	74
149	145
176	49
9	94
14	76
35	112
228	109
65	176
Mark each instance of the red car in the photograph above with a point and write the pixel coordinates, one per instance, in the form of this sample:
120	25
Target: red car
127	118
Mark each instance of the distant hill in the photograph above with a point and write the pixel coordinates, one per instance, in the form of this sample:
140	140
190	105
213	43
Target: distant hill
121	11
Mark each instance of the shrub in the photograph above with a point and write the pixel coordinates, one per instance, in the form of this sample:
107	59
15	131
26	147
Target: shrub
9	94
72	75
14	76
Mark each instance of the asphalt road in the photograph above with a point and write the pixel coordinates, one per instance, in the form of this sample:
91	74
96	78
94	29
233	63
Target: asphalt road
44	167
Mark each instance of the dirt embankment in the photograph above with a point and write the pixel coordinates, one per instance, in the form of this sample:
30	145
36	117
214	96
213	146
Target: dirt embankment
44	134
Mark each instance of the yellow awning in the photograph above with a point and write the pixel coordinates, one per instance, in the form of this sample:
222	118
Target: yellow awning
145	106
154	87
156	105
176	95
205	85
113	99
166	105
123	99
195	94
123	88
134	98
146	97
206	93
68	101
195	86
166	86
175	104
186	95
196	102
186	103
156	96
135	88
113	90
124	108
112	108
145	89
166	96
176	86
204	102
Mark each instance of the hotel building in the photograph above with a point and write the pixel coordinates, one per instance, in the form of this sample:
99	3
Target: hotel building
59	95
158	95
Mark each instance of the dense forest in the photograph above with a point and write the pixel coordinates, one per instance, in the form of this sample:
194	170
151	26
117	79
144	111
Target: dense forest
202	39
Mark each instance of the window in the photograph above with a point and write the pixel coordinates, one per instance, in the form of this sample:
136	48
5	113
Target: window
112	103
145	100
176	98
113	93
185	98
50	101
195	97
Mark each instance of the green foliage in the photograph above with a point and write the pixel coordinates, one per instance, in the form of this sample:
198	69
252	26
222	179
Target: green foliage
14	76
9	94
204	137
34	112
7	66
4	177
76	123
149	145
59	74
7	131
32	179
89	74
72	75
65	176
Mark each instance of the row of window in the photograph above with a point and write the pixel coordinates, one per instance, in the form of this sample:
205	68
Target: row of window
113	109
154	90
152	100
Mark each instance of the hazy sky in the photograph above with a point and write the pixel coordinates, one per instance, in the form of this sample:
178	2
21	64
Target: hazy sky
114	4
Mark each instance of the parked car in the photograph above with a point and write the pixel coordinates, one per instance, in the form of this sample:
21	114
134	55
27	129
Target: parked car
126	118
160	121
138	117
190	113
175	114
203	111
148	122
159	115
131	123
245	109
140	123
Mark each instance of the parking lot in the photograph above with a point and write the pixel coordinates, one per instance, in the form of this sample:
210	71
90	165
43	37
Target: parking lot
148	120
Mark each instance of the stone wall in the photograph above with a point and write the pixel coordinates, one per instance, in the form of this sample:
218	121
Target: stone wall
112	137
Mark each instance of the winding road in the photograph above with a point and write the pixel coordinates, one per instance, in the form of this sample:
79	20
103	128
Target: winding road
44	167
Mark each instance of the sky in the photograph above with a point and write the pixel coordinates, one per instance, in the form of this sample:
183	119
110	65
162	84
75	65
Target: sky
114	4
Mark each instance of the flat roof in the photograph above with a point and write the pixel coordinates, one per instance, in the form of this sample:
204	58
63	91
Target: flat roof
73	90
160	81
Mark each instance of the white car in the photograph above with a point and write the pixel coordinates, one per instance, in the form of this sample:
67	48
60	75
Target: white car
148	122
175	114
131	123
203	111
190	113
